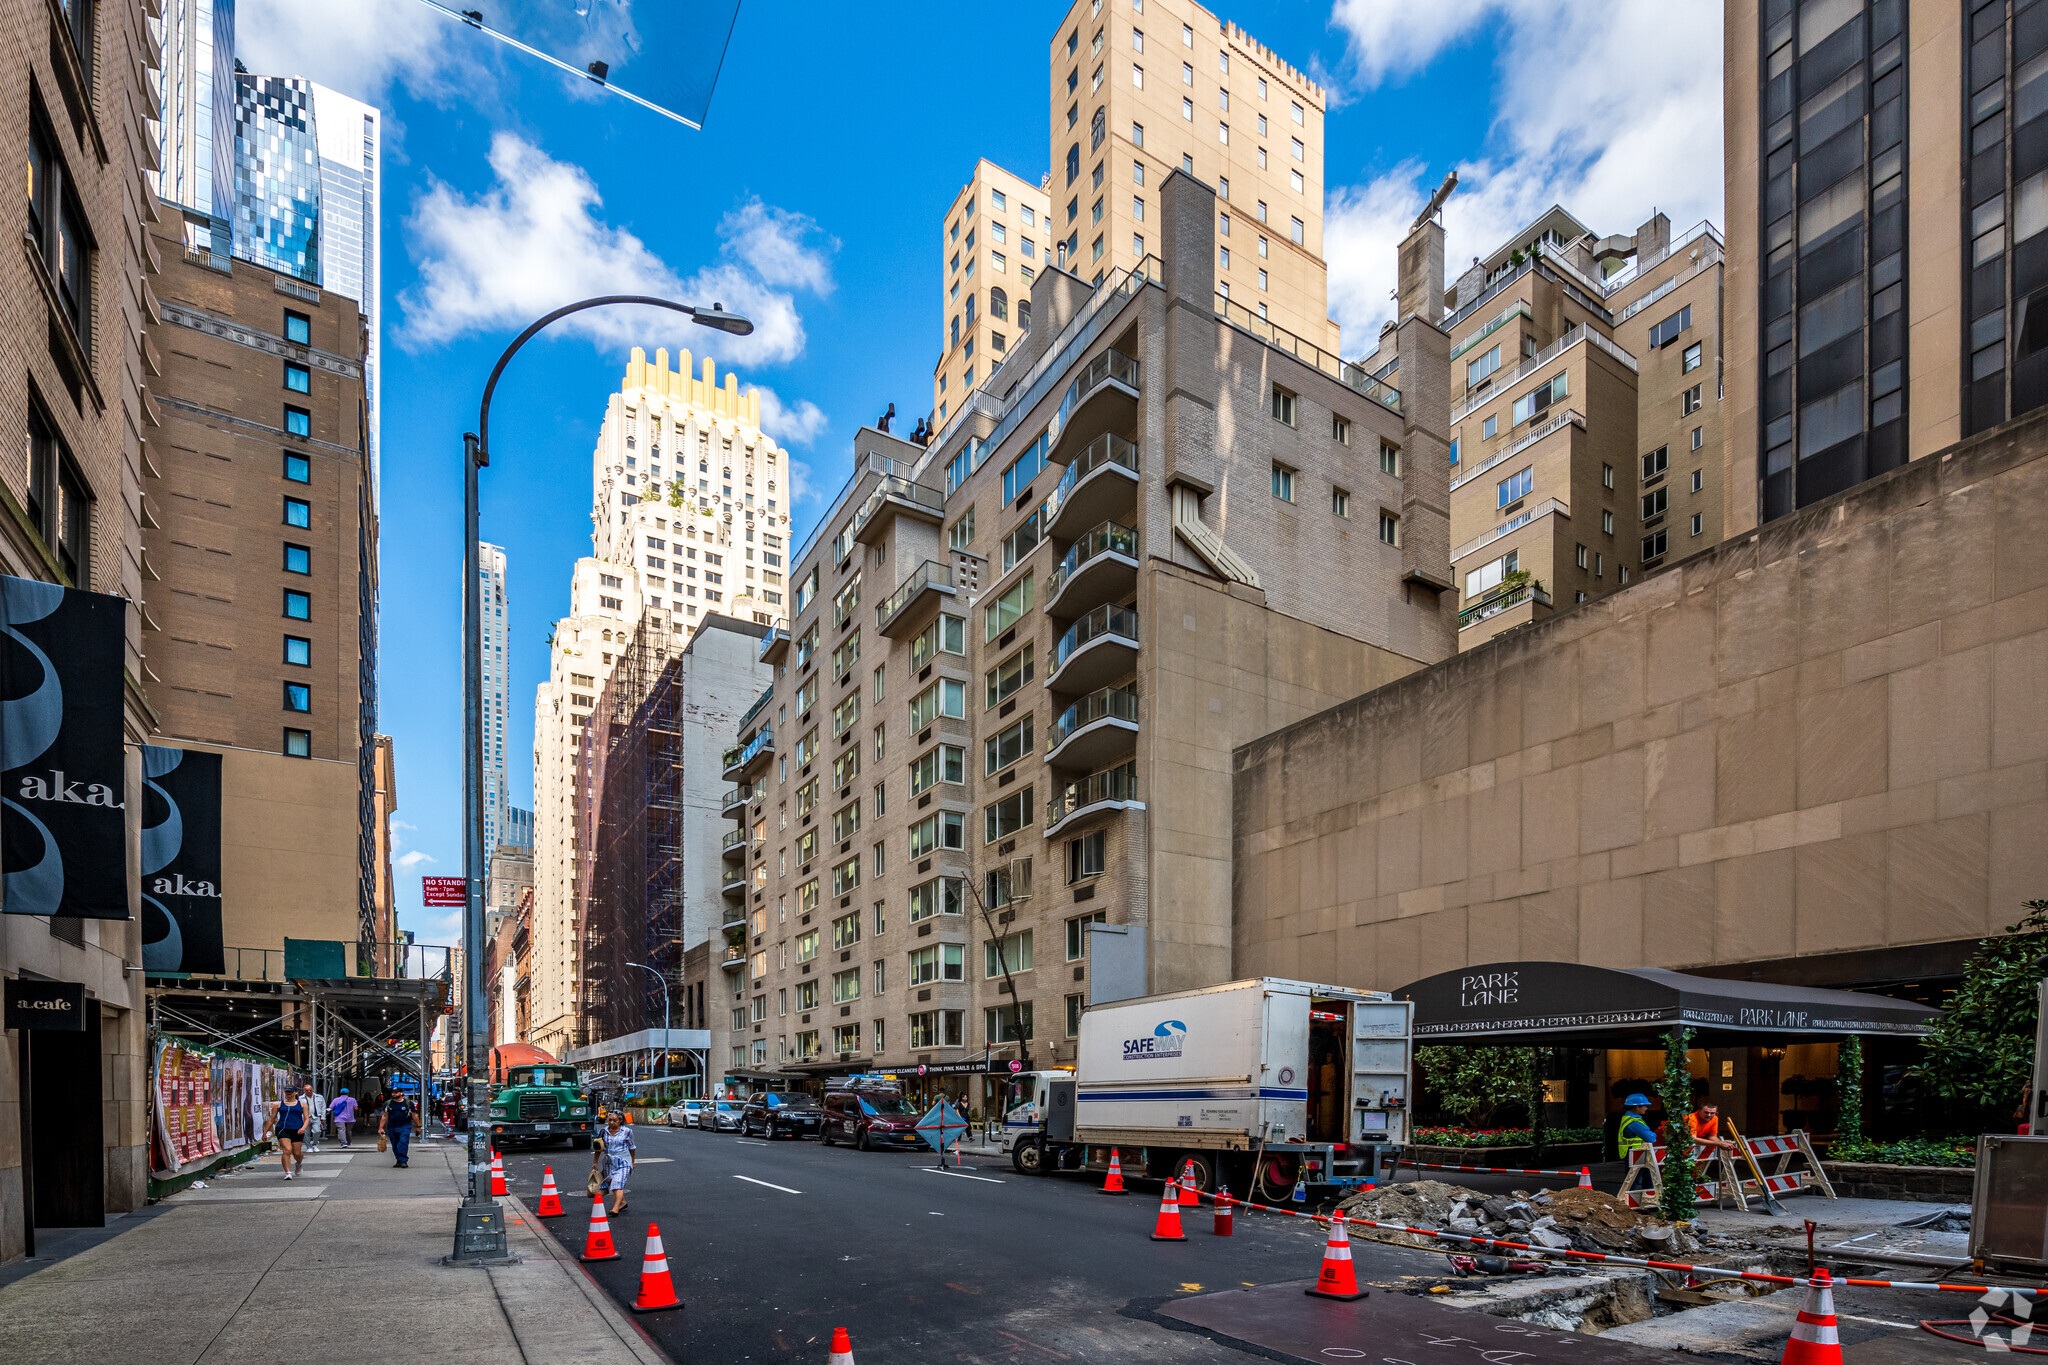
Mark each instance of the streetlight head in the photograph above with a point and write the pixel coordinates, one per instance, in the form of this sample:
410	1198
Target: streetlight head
716	316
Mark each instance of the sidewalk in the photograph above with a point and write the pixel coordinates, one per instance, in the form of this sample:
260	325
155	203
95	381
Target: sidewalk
348	1255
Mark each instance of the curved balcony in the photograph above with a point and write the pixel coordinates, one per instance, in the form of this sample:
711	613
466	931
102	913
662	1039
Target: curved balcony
734	803
930	582
735	884
1099	727
735	844
1097	649
735	960
751	757
1100	566
1100	485
1103	398
892	496
1112	789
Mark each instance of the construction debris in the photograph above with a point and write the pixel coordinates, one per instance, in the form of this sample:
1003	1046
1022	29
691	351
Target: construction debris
1575	1219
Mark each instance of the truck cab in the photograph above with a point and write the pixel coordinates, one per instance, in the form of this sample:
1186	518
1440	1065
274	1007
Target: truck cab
540	1103
1025	1104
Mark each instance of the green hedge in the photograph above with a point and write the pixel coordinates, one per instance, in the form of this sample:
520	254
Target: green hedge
1499	1137
1956	1151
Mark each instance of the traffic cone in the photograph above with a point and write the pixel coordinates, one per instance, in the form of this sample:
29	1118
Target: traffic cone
1585	1177
1167	1229
657	1290
1115	1183
1226	1222
550	1198
1338	1280
597	1244
1814	1340
842	1348
1188	1198
498	1175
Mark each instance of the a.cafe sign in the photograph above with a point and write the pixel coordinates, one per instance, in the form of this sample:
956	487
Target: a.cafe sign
57	1006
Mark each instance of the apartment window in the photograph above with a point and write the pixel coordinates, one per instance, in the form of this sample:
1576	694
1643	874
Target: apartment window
1653	546
1488	427
1690	359
1187	110
1138	140
298	421
298	328
1009	675
298	512
1283	405
1671	328
1008	1023
1699	437
1008	609
1607	522
1187	37
1010	953
1476	370
1698	523
1223	133
297	559
946	634
945	697
1489	576
1283	483
1515	486
1390	528
1223	257
1300	152
1006	817
1655	502
1607	476
939	896
59	503
1390	460
1454	452
1340	502
58	230
298	606
1137	40
938	1028
298	743
940	829
1299	116
1262	214
1007	746
1698	480
1295	228
1262	281
1689	402
298	651
1187	74
297	468
1584	557
1654	463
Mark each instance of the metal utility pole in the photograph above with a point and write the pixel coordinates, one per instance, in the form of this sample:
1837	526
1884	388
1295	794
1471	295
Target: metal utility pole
479	1223
1002	941
664	1016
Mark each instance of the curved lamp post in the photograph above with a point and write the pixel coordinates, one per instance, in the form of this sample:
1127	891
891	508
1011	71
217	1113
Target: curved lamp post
479	1232
664	1014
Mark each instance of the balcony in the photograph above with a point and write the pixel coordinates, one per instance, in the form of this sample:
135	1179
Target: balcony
1511	525
896	494
1570	417
751	757
1110	790
1100	566
1103	398
927	584
734	803
734	844
735	959
735	884
1100	485
1507	601
774	646
1097	649
1099	727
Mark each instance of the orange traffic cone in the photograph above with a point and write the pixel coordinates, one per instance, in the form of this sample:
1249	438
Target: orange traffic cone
1167	1229
1338	1280
1115	1183
1188	1198
842	1348
1585	1177
1814	1340
657	1290
1226	1221
597	1244
550	1198
497	1174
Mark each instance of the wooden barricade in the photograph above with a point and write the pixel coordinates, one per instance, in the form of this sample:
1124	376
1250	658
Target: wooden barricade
1644	1183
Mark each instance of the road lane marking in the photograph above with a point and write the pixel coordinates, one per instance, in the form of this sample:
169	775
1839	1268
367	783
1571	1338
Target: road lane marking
751	1181
959	1175
749	1142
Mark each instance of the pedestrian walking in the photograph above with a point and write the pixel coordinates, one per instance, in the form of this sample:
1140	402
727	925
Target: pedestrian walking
288	1130
395	1122
614	1158
316	1115
342	1109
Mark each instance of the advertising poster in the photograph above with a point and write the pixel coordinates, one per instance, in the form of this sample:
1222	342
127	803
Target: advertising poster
62	770
181	882
207	1103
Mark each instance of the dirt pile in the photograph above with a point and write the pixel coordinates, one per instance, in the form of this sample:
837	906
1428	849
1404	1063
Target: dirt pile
1577	1219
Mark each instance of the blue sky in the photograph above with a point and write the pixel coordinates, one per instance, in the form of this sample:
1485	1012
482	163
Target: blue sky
811	199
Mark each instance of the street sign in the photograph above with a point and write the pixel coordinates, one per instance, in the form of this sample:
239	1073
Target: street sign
444	891
941	1124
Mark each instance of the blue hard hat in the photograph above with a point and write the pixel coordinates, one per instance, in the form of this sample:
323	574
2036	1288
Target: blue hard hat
1634	1100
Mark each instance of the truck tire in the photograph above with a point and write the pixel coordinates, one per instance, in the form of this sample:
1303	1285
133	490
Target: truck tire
1028	1158
1205	1168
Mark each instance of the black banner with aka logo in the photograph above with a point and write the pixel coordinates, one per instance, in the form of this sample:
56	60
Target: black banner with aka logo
181	886
62	823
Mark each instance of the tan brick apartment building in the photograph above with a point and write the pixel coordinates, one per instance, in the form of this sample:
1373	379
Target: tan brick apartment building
76	94
995	238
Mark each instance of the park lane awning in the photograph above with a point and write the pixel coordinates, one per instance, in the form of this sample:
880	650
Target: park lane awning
1569	999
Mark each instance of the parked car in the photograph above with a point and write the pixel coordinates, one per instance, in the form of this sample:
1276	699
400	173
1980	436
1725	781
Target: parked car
870	1119
776	1113
723	1116
685	1113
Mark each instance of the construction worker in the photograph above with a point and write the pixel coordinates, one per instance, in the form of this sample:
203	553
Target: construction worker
1635	1131
1704	1124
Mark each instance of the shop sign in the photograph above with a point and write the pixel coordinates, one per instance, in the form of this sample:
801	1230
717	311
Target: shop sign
50	1006
181	882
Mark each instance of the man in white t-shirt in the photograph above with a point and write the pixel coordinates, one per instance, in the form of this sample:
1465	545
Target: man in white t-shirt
316	1116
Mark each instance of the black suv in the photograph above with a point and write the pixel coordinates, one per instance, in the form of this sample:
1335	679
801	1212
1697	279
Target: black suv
775	1114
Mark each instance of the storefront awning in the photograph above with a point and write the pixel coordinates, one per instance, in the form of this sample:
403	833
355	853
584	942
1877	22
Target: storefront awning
1568	999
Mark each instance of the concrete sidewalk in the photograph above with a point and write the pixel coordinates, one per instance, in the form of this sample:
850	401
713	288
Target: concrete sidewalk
350	1258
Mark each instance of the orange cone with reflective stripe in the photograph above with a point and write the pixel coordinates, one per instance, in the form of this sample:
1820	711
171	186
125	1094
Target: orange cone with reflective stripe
1338	1280
498	1174
657	1290
842	1348
1188	1198
1115	1183
1585	1177
1814	1340
1167	1229
550	1198
597	1243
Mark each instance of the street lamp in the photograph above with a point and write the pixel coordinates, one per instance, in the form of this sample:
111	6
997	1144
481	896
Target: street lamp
664	1017
479	1231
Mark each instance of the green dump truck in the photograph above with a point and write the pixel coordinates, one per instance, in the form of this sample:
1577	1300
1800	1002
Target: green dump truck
540	1104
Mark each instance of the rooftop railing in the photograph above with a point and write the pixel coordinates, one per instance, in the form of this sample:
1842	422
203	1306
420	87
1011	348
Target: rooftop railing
1507	601
900	489
1280	339
1572	337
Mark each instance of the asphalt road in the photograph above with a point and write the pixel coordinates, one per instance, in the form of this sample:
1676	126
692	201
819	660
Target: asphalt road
773	1246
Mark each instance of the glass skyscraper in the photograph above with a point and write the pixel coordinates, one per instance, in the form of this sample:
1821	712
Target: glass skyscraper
197	130
277	218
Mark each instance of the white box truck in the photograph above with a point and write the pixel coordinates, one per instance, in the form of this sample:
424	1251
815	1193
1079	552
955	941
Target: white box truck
1260	1083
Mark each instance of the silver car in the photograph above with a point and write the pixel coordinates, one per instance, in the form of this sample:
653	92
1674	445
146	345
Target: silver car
724	1117
685	1113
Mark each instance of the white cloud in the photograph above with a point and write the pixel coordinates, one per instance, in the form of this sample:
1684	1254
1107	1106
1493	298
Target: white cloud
408	861
361	48
1611	140
793	424
534	241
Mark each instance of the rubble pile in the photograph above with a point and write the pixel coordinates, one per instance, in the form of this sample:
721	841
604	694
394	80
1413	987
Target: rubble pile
1574	1219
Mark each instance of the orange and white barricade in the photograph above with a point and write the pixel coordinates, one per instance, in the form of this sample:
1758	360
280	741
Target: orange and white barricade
1644	1183
1787	1148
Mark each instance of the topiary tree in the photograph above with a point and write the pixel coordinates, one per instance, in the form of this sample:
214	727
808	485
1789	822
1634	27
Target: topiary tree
1981	1051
